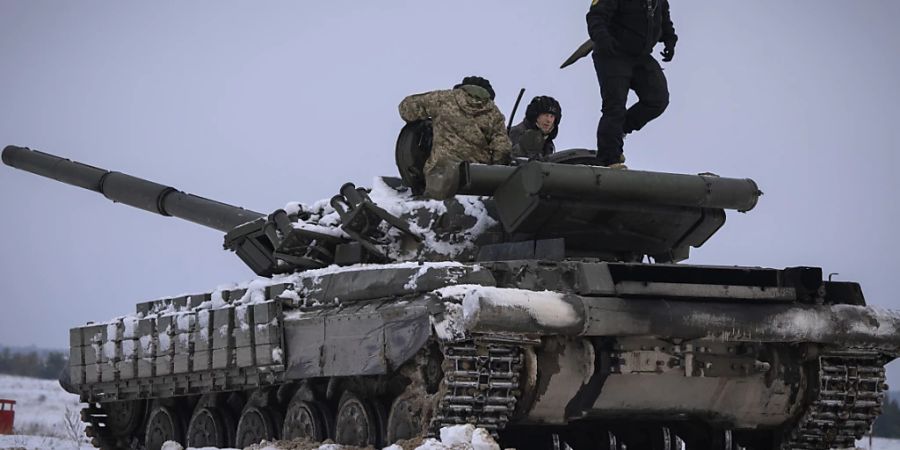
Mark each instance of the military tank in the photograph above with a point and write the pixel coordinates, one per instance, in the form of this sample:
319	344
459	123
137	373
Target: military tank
546	302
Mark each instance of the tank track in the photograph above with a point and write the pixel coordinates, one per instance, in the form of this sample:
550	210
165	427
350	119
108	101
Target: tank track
94	417
480	385
848	398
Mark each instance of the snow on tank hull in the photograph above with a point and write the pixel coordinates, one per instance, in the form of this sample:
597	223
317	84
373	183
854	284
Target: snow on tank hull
586	352
759	365
521	307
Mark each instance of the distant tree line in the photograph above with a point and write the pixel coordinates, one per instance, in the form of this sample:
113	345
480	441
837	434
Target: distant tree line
888	425
32	364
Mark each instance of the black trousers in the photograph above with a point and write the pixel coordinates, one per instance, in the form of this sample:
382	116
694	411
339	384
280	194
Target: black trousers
617	75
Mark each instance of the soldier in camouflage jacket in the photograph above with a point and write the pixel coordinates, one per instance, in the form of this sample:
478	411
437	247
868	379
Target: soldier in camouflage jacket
467	126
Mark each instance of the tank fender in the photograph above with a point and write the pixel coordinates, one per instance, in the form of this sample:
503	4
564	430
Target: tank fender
502	310
65	379
405	280
370	339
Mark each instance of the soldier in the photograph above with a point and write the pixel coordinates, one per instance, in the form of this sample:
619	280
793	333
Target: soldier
624	33
533	137
467	126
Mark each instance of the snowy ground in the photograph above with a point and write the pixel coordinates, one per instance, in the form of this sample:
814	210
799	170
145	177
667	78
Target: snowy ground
879	444
47	418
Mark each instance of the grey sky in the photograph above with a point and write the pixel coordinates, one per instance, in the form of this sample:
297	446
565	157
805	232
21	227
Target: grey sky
258	104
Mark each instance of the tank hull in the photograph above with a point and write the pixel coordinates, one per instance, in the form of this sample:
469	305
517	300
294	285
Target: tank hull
578	350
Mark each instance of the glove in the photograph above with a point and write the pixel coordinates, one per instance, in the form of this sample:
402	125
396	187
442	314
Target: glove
532	143
668	52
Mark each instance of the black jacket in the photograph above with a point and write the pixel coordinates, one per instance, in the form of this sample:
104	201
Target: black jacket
515	135
629	27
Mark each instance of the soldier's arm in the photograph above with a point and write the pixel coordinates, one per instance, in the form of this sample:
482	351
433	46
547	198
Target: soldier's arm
420	106
530	145
515	134
668	28
518	151
598	18
500	145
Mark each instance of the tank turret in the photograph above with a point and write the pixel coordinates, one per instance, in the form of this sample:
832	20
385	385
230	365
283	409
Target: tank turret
568	207
558	208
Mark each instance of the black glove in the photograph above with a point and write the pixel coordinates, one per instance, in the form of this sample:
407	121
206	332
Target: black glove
532	144
668	52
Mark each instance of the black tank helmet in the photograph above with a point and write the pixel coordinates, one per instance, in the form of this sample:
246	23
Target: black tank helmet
478	81
543	104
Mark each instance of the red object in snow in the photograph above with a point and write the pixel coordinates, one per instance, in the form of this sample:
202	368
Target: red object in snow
7	416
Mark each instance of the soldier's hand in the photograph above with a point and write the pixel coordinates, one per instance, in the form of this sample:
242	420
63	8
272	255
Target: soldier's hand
532	143
668	53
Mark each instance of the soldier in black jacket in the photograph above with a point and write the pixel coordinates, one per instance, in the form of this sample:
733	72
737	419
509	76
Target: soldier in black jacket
533	137
624	33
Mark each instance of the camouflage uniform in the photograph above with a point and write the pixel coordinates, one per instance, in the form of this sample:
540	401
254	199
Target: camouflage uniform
467	127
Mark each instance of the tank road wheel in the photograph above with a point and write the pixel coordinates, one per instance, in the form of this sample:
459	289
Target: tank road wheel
608	440
650	437
405	420
256	425
163	425
356	422
586	438
663	438
724	440
124	417
757	440
706	437
208	428
304	419
534	438
719	440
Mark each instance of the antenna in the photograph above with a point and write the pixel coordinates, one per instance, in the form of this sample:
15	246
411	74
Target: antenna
515	107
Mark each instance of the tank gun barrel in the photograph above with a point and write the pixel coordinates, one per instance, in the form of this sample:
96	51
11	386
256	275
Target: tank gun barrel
132	191
600	183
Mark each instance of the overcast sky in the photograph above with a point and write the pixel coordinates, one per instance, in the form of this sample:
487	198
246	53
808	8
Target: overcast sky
257	104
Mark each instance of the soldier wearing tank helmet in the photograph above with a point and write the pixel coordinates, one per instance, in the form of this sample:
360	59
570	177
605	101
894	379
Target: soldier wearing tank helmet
624	33
533	137
467	126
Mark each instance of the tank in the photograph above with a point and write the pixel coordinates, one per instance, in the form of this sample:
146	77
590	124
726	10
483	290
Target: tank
547	302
